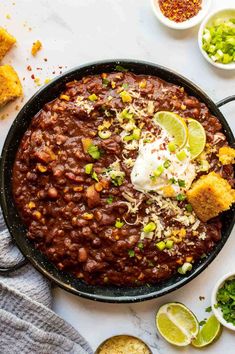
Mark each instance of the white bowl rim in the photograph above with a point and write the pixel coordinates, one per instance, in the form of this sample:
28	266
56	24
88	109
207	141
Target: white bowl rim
230	66
194	21
217	312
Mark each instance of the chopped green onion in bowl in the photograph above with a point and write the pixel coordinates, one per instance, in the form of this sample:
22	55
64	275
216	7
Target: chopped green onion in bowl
218	40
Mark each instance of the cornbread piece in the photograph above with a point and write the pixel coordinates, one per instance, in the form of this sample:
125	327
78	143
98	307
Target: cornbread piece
227	155
36	47
10	86
210	195
6	42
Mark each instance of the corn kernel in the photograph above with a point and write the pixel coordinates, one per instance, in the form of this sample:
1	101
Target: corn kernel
36	47
78	188
47	80
183	107
126	97
98	187
88	216
143	84
64	97
41	168
180	261
86	142
182	233
31	205
189	259
141	276
37	214
113	84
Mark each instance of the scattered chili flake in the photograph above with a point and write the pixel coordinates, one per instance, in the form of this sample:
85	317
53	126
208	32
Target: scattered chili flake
29	68
180	10
45	59
32	76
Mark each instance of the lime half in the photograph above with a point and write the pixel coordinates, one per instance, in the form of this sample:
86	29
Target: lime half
177	324
211	331
174	125
196	137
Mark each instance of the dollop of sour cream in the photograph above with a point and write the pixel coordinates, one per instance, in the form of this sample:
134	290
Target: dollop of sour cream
158	169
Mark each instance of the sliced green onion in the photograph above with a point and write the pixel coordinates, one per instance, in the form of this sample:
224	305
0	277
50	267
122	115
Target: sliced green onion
159	170
125	114
119	223
120	68
167	164
181	155
105	82
151	226
180	197
131	253
181	183
94	151
136	133
104	134
172	180
93	97
110	199
161	245
88	168
218	41
189	208
125	85
186	267
169	244
171	146
95	177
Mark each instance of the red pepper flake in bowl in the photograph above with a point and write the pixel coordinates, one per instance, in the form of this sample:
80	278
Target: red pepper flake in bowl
180	10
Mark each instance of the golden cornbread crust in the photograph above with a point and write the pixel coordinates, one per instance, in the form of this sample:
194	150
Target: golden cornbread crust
227	155
36	47
6	42
210	195
10	86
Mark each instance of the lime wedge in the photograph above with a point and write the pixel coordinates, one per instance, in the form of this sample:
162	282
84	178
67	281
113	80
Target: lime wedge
211	331
174	125
196	137
177	324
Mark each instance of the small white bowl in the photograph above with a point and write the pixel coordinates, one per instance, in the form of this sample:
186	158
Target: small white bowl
217	311
181	25
222	13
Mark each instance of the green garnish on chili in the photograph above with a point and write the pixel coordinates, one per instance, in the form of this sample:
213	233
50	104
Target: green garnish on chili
94	151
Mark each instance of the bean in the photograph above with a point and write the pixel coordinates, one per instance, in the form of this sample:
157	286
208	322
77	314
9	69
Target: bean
86	231
31	176
82	254
190	103
96	241
52	193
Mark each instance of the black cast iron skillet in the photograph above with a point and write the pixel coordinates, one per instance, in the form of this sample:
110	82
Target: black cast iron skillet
17	228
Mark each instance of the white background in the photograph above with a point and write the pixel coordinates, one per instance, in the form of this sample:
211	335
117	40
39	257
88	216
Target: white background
78	31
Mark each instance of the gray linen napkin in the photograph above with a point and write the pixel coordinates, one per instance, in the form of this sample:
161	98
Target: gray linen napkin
27	325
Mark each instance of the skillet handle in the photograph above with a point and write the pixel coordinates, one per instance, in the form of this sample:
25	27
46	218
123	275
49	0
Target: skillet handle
225	101
8	270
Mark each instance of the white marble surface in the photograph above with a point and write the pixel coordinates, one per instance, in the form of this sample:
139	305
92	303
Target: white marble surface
78	31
